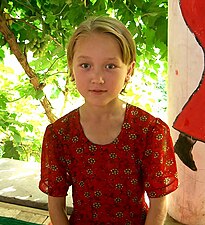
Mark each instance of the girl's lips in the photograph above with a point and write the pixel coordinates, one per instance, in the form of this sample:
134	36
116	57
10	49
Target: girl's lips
96	91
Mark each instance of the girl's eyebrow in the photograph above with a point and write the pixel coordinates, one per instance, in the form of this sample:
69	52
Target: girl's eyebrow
83	57
88	57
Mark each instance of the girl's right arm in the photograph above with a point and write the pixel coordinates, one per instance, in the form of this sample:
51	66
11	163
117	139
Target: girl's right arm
157	212
57	210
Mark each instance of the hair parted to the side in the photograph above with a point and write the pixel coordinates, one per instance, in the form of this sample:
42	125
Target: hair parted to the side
108	25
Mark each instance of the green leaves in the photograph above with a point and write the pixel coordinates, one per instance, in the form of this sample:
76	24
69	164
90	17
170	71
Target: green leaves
42	29
2	55
50	18
9	151
13	129
3	101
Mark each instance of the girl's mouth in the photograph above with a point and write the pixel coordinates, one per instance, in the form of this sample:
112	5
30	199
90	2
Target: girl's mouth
98	91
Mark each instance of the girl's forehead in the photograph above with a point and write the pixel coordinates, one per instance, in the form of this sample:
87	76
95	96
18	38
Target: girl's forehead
97	45
96	39
97	35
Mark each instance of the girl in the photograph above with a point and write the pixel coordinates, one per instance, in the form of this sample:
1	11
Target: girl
109	151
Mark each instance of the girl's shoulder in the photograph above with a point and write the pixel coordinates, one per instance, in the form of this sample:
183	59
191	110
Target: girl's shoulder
138	113
139	116
66	121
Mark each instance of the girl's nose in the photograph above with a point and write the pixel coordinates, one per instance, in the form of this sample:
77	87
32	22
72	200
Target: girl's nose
97	79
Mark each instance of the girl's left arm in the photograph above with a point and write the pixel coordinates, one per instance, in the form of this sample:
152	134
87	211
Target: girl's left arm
157	211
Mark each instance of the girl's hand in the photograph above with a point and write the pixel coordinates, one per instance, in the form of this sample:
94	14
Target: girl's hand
57	210
157	212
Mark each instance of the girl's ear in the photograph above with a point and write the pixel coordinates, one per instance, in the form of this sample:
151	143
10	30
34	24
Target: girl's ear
130	71
72	77
71	74
127	78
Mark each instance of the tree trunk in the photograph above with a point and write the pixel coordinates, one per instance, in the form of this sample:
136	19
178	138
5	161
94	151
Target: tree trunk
22	58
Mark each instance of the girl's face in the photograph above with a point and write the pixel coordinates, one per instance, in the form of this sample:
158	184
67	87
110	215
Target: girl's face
98	69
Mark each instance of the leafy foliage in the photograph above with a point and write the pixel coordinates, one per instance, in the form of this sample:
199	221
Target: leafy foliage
42	29
19	139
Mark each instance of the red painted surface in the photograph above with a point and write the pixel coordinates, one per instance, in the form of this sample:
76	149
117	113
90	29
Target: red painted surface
191	120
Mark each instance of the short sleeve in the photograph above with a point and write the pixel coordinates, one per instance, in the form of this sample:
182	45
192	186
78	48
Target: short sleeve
159	164
55	179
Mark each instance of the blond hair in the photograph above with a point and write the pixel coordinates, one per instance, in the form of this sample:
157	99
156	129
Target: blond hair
108	25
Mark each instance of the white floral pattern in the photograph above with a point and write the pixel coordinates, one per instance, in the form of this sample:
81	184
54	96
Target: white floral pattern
109	181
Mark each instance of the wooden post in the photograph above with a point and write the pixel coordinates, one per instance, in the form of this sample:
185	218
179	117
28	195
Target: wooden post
186	64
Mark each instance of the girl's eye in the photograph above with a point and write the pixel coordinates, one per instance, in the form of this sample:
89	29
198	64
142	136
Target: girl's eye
110	66
85	65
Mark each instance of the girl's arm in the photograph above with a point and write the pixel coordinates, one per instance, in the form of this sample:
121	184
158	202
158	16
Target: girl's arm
57	210
157	212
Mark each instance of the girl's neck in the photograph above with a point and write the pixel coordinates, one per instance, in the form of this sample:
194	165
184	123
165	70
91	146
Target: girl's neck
88	111
101	125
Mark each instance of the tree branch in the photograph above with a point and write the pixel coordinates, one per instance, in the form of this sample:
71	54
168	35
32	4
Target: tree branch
21	57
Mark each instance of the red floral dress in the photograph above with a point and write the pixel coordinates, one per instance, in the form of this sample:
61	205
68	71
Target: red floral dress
109	181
